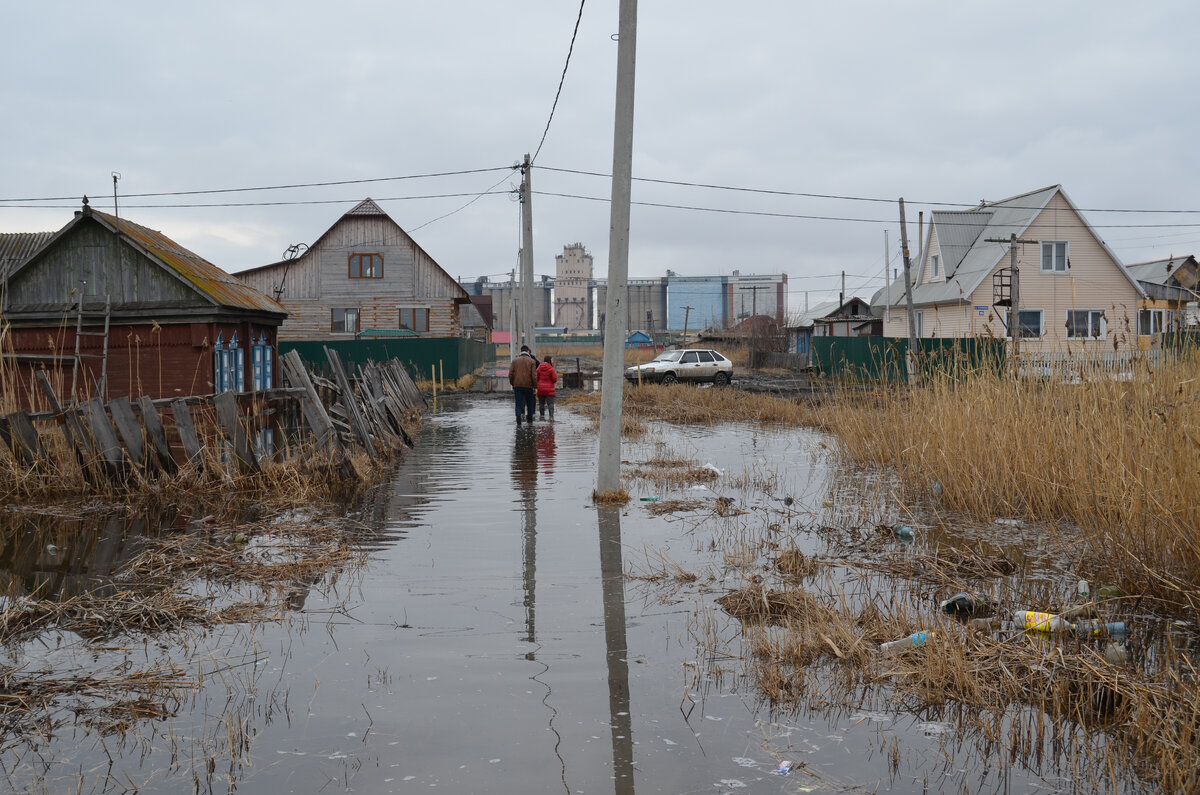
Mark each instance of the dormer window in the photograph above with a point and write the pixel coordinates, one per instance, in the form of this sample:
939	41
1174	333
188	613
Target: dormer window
935	266
366	266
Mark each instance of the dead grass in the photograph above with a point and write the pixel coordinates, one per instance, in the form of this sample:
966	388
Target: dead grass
690	405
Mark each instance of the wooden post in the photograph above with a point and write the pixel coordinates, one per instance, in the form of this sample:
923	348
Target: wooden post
187	431
352	412
127	425
25	437
311	405
106	439
226	406
158	438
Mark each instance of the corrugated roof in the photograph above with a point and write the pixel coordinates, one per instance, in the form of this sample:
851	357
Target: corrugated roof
16	247
207	278
366	207
1158	271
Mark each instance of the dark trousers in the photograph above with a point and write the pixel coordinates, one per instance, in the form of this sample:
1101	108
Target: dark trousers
546	402
525	401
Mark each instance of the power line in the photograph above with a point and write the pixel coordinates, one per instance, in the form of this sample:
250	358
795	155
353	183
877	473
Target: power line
272	204
276	187
561	80
465	206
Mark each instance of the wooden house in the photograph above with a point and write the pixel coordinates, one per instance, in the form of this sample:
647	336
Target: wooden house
364	272
112	308
1075	295
1172	287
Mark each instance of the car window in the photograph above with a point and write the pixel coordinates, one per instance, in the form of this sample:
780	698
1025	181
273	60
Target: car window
690	357
705	356
669	356
718	357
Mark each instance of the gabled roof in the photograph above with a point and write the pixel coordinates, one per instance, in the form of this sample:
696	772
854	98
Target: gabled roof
968	256
829	310
1159	271
16	247
207	279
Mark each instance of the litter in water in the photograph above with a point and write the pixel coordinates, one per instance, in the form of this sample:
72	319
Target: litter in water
783	769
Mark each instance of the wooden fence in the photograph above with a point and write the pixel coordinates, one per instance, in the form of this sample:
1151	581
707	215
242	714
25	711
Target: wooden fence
124	442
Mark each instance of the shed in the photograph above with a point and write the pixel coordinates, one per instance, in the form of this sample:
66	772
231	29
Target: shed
112	308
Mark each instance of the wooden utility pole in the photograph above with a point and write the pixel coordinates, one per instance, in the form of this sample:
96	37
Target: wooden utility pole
527	324
911	359
612	384
1014	308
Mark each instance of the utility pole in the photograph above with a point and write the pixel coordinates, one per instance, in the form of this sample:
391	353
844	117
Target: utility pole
612	384
687	310
527	332
887	283
911	359
1014	308
512	312
754	297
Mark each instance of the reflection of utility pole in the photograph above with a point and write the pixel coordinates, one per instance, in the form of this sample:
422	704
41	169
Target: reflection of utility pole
612	384
612	584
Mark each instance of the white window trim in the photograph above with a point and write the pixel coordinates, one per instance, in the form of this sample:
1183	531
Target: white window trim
1103	324
1066	263
935	266
919	314
1157	327
1041	324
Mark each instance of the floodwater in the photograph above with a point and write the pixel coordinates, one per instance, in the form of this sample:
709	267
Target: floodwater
505	635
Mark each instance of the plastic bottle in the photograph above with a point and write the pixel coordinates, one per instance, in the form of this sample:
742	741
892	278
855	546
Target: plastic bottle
1099	629
1084	590
897	646
964	603
904	532
1041	622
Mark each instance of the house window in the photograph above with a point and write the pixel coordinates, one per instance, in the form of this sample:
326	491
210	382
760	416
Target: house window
1054	256
935	266
262	363
1085	324
1150	322
414	319
366	266
1031	323
344	320
920	314
229	366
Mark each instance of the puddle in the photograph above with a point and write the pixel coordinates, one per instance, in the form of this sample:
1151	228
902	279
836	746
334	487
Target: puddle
492	642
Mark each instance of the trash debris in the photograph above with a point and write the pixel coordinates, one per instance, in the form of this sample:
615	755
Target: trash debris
1099	629
904	532
1009	522
784	768
1084	590
649	499
51	550
912	641
963	603
710	467
1110	592
1116	653
990	624
1041	622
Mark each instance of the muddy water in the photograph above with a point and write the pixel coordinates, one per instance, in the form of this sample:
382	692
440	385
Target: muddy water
492	643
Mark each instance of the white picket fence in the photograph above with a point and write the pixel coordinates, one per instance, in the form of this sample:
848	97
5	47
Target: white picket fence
1093	366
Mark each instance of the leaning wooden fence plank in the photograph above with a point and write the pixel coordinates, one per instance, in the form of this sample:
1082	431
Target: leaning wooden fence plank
6	434
25	438
187	430
106	438
226	406
356	418
127	425
158	437
314	411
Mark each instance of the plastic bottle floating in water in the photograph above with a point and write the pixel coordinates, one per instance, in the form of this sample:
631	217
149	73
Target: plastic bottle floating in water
913	640
904	532
1100	629
1041	622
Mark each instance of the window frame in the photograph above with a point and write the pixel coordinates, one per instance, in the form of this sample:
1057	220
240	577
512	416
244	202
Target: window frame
333	320
1041	329
1051	246
1156	328
414	310
935	266
1101	325
356	259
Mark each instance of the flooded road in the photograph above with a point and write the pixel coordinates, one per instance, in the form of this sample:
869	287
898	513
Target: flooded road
505	635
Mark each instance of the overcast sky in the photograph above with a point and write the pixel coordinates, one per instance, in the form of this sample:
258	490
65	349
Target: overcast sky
933	101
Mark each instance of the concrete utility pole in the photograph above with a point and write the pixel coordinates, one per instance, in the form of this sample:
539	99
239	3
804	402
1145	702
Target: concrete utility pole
1014	309
911	359
612	384
687	311
887	283
527	332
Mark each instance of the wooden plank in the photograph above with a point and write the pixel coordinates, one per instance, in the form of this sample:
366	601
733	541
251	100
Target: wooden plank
158	437
6	434
187	431
357	422
310	404
24	438
127	425
226	406
105	437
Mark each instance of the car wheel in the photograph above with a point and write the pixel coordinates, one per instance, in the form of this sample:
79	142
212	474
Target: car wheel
669	378
721	379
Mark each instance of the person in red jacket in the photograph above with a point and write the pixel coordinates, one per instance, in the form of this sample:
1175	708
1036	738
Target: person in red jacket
546	378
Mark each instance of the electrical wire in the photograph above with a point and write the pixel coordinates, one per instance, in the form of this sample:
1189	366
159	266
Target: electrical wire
561	80
465	206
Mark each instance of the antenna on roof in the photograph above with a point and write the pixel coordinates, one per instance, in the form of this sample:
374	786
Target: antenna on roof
291	253
116	175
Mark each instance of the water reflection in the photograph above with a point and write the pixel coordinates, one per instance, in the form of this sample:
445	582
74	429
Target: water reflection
612	580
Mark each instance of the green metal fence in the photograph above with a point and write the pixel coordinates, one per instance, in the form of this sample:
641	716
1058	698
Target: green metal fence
883	358
452	356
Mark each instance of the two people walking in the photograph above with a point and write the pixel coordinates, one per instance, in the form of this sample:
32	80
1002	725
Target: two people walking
530	379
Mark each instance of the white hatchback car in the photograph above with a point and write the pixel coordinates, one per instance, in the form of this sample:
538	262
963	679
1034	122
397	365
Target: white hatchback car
691	364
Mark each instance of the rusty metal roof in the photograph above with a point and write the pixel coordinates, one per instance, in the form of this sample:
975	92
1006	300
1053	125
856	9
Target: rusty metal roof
207	278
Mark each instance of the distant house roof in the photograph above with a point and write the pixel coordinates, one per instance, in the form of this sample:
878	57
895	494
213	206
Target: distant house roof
853	306
967	256
209	280
16	247
1161	271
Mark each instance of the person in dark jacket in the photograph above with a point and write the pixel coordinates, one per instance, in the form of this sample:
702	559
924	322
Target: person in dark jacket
522	374
546	378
